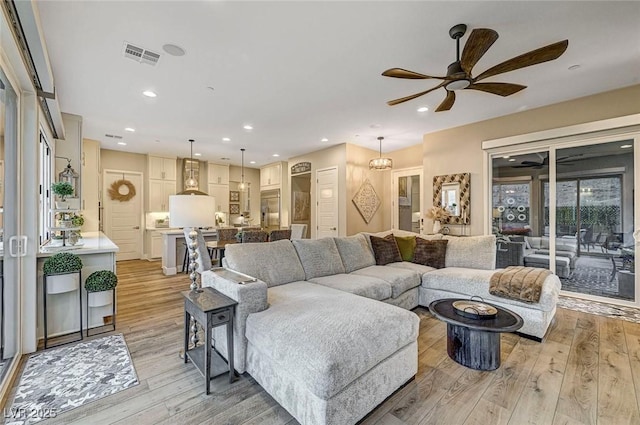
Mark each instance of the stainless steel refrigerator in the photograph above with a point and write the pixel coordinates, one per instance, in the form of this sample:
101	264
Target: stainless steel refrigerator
270	210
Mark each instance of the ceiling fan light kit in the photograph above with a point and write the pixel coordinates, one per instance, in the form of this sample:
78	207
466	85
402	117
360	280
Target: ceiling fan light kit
459	76
380	163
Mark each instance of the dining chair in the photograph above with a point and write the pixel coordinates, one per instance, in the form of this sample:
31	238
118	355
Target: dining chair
277	235
251	236
298	231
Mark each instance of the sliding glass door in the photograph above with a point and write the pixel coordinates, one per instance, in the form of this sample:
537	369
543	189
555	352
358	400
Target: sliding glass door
10	243
570	208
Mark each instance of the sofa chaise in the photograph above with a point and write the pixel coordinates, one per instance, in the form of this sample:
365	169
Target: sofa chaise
328	333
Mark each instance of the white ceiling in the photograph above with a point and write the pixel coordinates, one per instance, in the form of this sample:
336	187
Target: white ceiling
301	71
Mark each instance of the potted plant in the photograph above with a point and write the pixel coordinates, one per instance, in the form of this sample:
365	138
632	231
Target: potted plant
62	272
62	189
99	286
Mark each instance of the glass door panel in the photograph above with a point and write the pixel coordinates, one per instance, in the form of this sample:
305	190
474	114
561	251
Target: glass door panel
595	219
9	261
408	205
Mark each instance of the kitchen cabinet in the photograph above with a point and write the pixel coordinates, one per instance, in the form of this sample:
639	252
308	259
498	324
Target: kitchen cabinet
271	176
159	192
218	174
156	244
90	176
221	193
162	168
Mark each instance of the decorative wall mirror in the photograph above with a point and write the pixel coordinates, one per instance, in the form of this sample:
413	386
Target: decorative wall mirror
453	192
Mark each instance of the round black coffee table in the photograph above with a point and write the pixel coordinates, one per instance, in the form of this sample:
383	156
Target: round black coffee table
474	343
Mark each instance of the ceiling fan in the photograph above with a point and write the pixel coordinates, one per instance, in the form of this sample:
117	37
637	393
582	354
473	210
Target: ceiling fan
544	161
459	72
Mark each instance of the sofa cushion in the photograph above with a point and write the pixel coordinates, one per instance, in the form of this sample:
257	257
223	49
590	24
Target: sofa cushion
355	252
406	246
474	252
401	280
332	344
319	257
465	283
365	286
430	253
275	263
385	250
418	268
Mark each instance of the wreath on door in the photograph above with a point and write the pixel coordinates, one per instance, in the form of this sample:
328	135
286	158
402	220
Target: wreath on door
116	194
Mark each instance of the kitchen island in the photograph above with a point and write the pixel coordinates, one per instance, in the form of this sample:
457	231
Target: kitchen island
97	252
173	248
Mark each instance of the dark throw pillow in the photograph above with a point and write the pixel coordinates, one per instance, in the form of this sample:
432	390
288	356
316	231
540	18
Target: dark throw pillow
430	253
385	250
406	245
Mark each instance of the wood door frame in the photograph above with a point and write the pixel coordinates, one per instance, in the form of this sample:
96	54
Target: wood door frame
105	211
314	233
405	172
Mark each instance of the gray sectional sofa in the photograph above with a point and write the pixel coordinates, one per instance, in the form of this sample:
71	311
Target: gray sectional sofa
328	333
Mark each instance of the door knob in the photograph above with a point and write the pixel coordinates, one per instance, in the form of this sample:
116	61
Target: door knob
137	227
333	228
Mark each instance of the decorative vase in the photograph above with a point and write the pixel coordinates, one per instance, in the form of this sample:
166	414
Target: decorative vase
436	226
62	205
59	283
99	299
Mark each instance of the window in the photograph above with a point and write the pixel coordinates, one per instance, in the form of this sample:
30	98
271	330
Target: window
511	208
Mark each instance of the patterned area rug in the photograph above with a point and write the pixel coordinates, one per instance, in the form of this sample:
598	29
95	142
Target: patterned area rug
63	378
629	314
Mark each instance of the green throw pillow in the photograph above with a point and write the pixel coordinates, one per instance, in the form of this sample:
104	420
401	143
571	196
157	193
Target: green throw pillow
406	245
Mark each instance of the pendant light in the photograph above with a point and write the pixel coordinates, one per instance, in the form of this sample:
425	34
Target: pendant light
242	187
191	184
380	163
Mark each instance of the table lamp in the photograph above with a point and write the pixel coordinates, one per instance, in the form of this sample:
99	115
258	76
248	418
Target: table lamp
191	210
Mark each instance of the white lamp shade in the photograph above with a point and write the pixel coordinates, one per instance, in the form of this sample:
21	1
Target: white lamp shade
192	211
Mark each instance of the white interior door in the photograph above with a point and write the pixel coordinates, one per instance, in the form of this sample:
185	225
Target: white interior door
327	202
122	220
407	189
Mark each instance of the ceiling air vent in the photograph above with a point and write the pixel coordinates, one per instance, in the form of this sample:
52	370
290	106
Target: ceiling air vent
140	54
113	136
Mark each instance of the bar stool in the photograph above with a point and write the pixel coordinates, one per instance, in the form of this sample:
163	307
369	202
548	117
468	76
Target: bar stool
98	285
62	274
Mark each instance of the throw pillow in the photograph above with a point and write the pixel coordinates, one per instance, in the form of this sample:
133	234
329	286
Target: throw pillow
406	245
385	250
430	253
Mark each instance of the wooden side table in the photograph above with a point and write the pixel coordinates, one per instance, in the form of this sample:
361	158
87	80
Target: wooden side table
210	308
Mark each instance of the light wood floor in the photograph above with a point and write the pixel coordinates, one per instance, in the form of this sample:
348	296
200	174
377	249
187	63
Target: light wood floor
586	372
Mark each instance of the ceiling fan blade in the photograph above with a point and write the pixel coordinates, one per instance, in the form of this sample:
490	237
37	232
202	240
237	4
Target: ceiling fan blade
477	45
413	96
531	163
403	73
501	89
534	57
448	101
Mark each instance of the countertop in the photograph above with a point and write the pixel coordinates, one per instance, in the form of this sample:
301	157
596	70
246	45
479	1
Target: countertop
93	243
180	232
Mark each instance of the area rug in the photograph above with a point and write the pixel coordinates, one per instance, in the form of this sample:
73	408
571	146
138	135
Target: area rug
629	314
63	378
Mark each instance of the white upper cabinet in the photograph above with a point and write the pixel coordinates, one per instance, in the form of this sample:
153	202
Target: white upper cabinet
218	174
162	168
271	176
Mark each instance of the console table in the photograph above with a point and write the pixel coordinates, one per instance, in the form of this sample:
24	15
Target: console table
210	308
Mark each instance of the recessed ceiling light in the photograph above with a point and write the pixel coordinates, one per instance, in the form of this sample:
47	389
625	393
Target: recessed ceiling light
324	139
276	155
574	67
247	127
130	129
626	146
226	139
423	109
197	154
512	160
252	162
506	157
122	143
149	93
173	50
